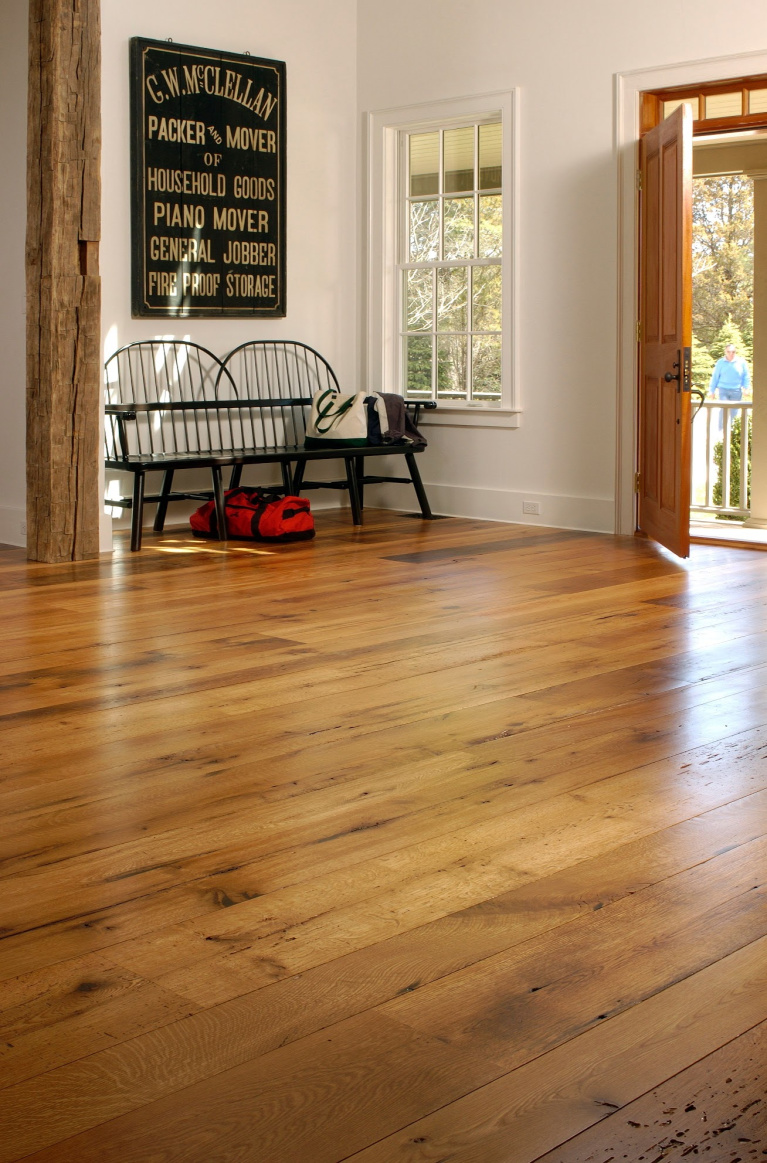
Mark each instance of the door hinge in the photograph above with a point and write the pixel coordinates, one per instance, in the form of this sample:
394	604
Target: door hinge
637	482
639	179
639	331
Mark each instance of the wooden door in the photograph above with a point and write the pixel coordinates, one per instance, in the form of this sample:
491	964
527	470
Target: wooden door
666	332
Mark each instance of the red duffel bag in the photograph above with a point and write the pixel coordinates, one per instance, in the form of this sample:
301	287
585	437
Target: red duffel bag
256	515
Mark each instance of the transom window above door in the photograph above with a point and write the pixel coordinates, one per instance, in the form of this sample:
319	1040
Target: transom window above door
718	107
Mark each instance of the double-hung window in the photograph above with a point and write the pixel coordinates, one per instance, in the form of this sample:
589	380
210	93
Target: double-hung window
441	291
451	279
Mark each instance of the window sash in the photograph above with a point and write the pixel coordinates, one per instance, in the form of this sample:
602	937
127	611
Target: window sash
437	336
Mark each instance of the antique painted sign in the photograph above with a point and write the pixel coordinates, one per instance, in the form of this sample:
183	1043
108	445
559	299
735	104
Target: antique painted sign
208	174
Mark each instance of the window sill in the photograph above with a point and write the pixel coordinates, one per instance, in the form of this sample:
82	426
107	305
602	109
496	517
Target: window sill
470	417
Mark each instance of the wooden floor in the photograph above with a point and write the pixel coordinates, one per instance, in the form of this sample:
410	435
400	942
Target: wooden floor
434	841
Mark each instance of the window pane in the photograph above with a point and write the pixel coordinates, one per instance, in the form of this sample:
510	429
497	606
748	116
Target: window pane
424	164
724	105
486	367
490	226
487	299
459	159
452	298
418	356
451	367
757	101
459	227
418	300
424	231
670	106
490	157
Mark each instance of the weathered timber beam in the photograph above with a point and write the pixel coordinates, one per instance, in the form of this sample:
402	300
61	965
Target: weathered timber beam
63	285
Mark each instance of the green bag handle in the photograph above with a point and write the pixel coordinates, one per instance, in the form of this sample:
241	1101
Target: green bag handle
327	415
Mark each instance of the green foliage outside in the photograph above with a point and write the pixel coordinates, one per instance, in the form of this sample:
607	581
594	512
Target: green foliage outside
723	308
702	365
718	489
723	262
457	310
722	272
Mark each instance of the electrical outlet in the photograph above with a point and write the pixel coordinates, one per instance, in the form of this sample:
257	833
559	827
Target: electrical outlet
531	507
23	528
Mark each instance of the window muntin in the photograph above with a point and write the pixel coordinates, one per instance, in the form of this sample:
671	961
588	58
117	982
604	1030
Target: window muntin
450	264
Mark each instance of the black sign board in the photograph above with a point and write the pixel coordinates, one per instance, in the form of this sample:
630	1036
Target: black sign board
208	174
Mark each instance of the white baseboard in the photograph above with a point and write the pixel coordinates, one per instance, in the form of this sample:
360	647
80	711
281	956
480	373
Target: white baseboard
592	514
13	526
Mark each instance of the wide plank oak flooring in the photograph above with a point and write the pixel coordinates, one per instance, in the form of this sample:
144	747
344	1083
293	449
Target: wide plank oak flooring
415	843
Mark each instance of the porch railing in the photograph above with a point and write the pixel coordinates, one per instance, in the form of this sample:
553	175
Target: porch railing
720	477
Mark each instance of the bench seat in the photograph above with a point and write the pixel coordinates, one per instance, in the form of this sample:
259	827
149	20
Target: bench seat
173	405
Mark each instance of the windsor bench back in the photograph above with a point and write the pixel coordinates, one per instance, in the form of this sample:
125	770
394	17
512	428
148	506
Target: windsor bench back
174	405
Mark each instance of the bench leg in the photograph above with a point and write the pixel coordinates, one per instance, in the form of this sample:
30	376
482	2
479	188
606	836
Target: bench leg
218	493
354	497
420	491
162	506
287	479
360	466
236	477
298	476
137	511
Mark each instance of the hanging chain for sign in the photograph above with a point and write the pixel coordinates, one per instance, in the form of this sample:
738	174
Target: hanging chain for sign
208	182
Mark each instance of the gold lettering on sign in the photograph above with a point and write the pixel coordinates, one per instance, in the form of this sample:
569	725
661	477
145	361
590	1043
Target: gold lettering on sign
163	283
200	283
243	137
154	91
250	286
253	254
164	248
185	182
231	219
184	131
258	189
172	214
171	81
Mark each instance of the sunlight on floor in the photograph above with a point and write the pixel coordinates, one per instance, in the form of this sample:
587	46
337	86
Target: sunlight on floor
728	531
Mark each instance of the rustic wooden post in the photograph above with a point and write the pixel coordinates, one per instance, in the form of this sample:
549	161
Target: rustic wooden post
63	285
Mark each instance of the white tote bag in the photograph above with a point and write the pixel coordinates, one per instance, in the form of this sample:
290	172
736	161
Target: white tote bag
338	421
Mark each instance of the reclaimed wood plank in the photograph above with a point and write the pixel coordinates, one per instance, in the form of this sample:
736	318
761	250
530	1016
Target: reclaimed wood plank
63	285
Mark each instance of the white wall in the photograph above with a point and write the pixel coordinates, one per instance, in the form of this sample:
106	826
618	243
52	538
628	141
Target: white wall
563	56
13	151
343	57
318	44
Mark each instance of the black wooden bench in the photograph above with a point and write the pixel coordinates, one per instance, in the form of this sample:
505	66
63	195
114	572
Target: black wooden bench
174	405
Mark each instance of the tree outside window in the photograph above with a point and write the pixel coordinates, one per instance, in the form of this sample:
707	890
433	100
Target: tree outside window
450	268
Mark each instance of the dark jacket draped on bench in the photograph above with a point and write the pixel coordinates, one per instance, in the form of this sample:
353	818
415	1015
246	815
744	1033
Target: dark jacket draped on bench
174	405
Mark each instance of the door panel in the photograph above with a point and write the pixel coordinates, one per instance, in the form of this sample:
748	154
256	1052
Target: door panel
650	437
670	266
651	256
666	330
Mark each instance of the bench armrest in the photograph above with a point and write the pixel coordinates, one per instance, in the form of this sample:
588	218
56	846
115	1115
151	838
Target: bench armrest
414	407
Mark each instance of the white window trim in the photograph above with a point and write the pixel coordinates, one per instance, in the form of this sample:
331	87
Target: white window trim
383	218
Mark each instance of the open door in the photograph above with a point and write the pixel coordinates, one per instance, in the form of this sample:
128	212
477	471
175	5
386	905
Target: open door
665	336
